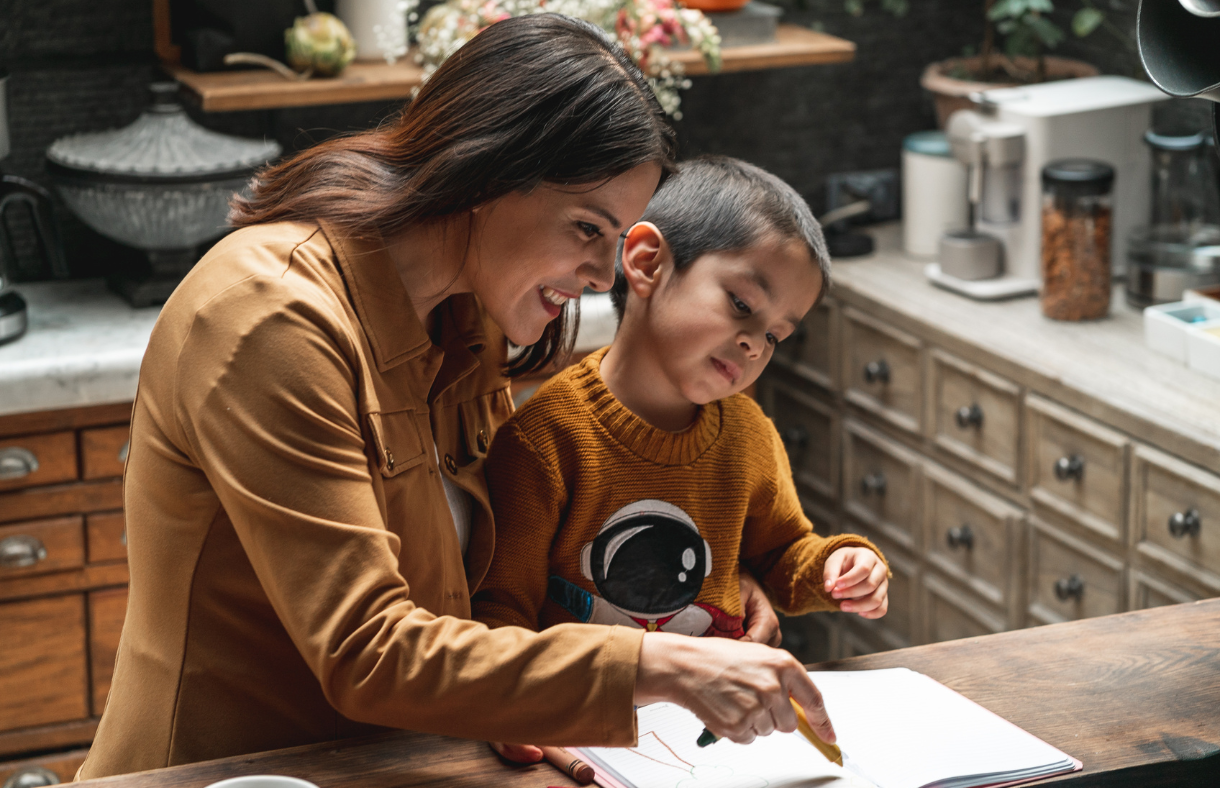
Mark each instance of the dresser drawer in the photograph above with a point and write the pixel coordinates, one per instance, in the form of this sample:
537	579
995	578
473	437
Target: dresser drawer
898	628
810	433
37	459
976	416
29	771
1147	591
951	612
42	664
104	451
106	537
810	350
972	536
1077	467
107	609
1175	516
882	371
36	547
1069	578
881	484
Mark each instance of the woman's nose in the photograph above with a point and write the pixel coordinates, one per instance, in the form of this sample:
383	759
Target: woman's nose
599	274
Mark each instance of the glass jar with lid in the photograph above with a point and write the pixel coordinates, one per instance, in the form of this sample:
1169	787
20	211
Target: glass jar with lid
1076	221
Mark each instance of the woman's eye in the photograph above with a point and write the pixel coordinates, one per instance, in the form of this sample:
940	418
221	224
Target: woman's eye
739	305
589	229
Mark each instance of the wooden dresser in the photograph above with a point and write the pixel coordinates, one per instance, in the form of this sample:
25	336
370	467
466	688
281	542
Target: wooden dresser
1015	471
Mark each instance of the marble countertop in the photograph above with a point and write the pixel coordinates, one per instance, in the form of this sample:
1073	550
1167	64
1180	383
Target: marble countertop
84	346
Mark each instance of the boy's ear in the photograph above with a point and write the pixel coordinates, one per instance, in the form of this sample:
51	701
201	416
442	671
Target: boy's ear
644	253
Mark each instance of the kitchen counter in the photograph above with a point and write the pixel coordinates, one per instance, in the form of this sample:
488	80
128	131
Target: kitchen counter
84	346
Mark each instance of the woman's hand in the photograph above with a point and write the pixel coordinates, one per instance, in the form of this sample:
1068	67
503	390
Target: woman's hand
857	576
762	625
517	753
739	690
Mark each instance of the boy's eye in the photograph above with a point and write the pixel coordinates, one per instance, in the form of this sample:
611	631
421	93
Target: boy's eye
739	305
771	340
589	229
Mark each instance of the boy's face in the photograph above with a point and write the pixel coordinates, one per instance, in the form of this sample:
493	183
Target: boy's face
715	325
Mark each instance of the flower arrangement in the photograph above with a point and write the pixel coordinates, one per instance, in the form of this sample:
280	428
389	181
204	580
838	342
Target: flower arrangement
643	28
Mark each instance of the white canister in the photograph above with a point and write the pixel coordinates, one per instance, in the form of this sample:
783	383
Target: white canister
933	192
376	25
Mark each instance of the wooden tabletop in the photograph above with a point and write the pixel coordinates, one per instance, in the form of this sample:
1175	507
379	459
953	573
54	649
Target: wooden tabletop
225	91
1135	697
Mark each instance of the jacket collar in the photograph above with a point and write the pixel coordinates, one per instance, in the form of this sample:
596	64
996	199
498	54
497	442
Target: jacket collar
383	304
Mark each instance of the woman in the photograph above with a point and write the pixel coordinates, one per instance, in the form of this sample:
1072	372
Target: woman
305	470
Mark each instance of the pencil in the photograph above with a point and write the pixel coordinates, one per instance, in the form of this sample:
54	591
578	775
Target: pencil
569	764
832	753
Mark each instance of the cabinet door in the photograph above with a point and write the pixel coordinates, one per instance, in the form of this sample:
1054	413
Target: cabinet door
952	612
43	671
1070	578
810	432
899	627
883	371
811	350
881	483
1146	590
1175	517
1077	467
976	416
107	609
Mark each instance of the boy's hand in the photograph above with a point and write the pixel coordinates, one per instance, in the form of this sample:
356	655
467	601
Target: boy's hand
517	753
762	625
857	576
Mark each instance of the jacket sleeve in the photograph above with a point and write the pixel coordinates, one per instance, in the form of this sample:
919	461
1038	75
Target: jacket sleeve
528	497
779	544
266	406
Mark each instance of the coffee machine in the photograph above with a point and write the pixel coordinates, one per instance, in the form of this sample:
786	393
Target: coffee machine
17	193
1178	44
1094	117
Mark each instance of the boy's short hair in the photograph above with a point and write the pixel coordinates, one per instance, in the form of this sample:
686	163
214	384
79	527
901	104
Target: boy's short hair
720	204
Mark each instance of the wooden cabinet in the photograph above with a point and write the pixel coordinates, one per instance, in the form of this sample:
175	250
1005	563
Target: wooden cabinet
809	430
883	370
63	578
976	416
881	483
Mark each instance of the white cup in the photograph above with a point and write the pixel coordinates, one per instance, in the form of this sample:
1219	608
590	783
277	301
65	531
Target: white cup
262	781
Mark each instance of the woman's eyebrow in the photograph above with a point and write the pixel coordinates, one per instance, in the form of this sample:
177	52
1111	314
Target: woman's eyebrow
602	212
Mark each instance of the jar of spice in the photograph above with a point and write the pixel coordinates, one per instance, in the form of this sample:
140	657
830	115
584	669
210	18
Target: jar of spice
1076	211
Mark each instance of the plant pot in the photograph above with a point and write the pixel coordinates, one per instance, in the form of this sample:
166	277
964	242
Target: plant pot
952	94
715	5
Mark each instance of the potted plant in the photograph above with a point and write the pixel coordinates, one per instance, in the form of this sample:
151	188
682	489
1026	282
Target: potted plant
1017	36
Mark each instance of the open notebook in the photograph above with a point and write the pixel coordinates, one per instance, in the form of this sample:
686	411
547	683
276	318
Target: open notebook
897	729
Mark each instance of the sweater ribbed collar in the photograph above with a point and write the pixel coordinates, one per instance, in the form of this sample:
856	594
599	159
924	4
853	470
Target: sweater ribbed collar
643	439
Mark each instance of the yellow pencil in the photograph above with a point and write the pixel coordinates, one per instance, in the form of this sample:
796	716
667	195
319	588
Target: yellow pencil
832	753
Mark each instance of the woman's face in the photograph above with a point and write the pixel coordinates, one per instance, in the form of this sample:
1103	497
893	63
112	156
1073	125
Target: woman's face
532	252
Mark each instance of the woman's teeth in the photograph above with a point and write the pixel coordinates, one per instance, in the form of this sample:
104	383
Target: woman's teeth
552	296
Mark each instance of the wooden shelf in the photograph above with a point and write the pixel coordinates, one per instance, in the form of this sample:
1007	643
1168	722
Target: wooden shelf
226	91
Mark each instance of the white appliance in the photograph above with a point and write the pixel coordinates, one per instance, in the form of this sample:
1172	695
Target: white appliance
1101	118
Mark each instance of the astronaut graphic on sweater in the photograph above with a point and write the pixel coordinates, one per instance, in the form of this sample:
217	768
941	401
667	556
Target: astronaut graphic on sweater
648	563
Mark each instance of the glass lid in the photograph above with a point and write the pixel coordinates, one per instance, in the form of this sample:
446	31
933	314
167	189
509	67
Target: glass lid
163	144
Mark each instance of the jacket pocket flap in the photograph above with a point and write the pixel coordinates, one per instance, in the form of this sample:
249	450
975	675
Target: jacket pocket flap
397	440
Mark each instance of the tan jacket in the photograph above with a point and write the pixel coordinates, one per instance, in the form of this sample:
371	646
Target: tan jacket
295	572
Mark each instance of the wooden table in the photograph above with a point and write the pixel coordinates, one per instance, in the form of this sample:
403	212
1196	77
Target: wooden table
1135	696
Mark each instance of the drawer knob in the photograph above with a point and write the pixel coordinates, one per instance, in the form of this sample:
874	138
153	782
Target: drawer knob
877	372
1185	523
32	777
969	416
794	439
16	462
1069	587
873	483
18	552
1071	467
961	536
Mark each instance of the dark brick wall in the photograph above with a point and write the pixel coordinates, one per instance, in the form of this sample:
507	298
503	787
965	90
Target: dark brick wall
82	65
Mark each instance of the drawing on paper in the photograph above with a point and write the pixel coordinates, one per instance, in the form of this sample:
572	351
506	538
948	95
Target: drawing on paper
688	774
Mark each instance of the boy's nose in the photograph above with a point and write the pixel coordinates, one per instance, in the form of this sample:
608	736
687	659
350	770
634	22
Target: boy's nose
749	345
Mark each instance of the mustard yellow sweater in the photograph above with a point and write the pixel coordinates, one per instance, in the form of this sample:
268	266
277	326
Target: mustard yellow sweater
602	518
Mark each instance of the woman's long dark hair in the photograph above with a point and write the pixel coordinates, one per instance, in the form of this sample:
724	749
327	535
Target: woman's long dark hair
540	98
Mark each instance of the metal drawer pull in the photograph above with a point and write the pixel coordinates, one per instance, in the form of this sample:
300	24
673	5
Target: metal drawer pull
1068	587
18	552
123	451
961	536
877	372
1185	523
794	439
873	483
969	416
32	777
1069	468
16	462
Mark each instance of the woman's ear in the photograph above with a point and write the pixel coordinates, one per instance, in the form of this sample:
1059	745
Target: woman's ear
644	255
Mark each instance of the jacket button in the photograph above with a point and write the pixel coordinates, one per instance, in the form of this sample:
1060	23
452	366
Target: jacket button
482	440
389	460
450	464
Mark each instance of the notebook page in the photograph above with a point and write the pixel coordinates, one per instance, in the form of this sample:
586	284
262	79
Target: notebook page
667	757
905	730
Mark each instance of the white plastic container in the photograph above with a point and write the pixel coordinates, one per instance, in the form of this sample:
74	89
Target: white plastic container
1203	294
1203	348
262	781
933	192
1166	326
